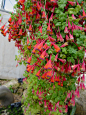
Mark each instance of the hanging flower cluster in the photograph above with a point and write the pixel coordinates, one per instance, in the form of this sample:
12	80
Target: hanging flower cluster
51	37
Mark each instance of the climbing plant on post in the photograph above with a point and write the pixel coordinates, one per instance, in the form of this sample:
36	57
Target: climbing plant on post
51	39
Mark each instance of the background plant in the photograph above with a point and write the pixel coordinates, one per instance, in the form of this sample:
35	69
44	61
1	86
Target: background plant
50	36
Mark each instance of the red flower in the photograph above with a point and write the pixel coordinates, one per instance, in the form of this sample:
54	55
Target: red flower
67	38
53	1
73	16
42	56
37	16
43	15
29	47
40	29
72	3
38	6
30	28
51	17
48	28
62	60
84	13
45	46
48	65
38	73
69	25
20	32
9	38
77	93
66	30
61	38
74	66
44	75
52	79
56	57
68	95
57	79
56	47
27	41
29	68
51	39
29	20
49	73
39	46
83	77
10	19
65	44
29	60
20	21
71	37
21	1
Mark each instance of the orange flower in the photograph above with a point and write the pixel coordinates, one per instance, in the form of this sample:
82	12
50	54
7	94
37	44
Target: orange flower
30	28
34	51
29	68
42	56
29	19
10	19
45	46
20	32
29	47
49	73
48	65
9	38
52	79
44	75
57	78
23	7
21	1
2	28
39	47
37	16
29	60
51	39
40	29
48	28
65	44
56	47
20	21
61	84
43	15
38	6
27	41
84	13
38	73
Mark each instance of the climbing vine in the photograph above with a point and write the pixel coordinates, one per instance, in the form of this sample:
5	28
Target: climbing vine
51	39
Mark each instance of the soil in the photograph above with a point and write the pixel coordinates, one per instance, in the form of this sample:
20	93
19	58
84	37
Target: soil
3	81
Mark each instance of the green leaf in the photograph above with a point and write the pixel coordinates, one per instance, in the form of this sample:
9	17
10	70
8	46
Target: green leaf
58	24
57	99
53	57
70	59
77	9
48	43
71	10
51	91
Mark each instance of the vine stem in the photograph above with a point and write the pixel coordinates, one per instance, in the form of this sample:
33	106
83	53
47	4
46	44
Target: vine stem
45	4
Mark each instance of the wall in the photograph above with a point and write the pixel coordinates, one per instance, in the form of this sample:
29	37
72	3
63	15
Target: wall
8	69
